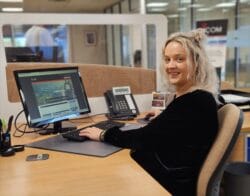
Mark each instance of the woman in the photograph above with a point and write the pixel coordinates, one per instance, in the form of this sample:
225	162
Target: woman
173	146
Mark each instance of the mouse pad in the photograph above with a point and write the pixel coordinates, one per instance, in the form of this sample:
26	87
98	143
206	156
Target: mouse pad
92	148
143	121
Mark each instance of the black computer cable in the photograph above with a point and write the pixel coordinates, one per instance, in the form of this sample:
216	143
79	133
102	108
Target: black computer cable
25	125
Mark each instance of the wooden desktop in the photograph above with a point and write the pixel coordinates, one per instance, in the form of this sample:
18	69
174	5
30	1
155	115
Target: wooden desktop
72	174
238	153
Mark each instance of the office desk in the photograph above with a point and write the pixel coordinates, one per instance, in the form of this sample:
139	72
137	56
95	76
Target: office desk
71	174
246	123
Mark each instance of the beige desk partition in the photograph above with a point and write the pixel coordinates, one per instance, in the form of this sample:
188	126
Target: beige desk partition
96	78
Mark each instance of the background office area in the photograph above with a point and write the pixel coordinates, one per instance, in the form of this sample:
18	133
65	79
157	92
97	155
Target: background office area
85	33
182	16
120	44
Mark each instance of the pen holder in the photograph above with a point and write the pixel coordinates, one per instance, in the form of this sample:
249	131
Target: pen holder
5	141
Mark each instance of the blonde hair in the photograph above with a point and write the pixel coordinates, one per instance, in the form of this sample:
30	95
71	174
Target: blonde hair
204	74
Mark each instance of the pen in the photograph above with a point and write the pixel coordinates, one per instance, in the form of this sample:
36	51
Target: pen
9	124
1	125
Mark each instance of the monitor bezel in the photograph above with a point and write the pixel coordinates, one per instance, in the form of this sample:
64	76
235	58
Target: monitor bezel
52	120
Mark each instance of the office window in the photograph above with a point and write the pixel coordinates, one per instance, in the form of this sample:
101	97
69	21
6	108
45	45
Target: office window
35	43
126	46
117	38
151	50
244	44
184	10
112	44
183	14
66	43
125	6
214	10
135	6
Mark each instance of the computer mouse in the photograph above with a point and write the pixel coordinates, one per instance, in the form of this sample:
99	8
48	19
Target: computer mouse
146	119
148	116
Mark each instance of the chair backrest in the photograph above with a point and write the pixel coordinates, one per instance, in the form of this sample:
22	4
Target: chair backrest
230	123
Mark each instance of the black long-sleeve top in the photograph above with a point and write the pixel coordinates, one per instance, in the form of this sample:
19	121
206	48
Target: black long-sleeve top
181	135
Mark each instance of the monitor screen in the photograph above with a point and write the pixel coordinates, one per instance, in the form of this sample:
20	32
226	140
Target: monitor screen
34	54
51	95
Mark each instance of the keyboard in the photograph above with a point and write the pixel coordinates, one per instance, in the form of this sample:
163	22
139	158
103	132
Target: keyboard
231	98
107	124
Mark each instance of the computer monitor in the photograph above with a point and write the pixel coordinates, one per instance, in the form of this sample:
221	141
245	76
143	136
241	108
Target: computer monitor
33	54
51	95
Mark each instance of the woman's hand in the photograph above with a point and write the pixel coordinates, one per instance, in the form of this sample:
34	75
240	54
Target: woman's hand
92	133
152	114
157	112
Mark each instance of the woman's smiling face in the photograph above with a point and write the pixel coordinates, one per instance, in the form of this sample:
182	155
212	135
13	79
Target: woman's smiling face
176	65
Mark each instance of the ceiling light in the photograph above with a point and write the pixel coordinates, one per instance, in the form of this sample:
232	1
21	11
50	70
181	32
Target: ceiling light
195	5
226	4
182	9
173	16
157	9
185	1
157	4
12	1
12	9
204	9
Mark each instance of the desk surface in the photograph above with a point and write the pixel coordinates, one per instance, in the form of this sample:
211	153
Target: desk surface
246	122
71	174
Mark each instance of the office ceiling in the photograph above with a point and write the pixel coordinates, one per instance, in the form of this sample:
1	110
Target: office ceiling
62	6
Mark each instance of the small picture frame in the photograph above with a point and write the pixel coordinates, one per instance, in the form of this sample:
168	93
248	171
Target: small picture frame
159	100
90	38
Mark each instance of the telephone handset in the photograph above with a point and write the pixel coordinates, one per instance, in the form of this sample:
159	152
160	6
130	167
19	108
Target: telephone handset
121	103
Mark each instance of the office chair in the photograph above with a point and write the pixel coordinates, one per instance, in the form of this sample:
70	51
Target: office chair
230	123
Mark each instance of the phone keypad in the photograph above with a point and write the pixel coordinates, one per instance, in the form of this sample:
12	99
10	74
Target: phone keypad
122	105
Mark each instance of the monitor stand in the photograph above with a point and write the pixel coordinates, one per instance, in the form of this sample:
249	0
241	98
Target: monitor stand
58	127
